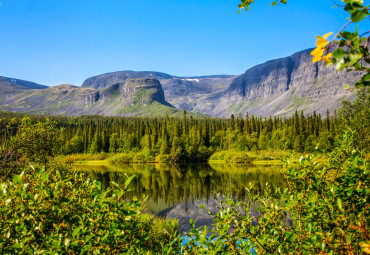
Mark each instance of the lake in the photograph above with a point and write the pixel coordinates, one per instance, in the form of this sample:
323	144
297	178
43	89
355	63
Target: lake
177	191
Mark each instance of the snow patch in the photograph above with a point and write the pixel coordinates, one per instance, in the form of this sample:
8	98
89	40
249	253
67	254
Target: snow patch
196	80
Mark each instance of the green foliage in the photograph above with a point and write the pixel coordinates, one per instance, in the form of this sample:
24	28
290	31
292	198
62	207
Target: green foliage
76	145
32	142
245	4
69	159
324	210
231	156
59	210
56	210
356	116
353	49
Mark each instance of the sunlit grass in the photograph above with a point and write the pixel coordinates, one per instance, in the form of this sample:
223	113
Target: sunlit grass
267	162
92	162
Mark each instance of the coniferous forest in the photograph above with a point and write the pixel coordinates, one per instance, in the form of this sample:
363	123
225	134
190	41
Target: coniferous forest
192	139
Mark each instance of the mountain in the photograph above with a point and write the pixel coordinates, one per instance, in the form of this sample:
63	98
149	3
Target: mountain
277	87
18	84
181	92
133	97
281	86
106	80
10	86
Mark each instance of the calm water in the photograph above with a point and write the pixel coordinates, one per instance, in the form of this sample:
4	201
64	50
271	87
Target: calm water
177	191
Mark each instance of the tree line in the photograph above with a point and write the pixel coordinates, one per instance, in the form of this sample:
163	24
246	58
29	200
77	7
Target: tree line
189	138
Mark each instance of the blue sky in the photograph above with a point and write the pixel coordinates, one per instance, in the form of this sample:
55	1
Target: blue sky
66	41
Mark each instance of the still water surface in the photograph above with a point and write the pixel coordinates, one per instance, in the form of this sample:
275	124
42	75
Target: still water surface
177	191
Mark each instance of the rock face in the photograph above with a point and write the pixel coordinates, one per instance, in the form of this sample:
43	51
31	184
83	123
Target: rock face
181	92
281	86
131	97
277	87
106	80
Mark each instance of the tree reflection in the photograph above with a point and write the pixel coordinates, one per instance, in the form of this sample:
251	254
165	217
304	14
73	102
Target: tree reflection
170	185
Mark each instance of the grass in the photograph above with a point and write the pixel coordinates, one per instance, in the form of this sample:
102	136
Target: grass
160	228
235	156
92	162
267	162
155	109
70	159
254	162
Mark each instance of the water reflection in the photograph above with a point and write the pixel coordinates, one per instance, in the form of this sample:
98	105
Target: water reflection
176	191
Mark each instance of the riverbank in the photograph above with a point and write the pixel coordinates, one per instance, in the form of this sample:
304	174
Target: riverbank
225	156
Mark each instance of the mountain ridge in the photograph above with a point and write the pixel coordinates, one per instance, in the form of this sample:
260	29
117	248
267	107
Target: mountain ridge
20	83
275	88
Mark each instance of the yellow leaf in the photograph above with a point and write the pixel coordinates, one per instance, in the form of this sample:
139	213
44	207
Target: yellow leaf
316	59
327	35
317	52
321	42
327	58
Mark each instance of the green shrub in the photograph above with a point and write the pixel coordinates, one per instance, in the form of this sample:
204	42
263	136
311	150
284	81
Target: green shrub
163	158
58	210
232	156
34	142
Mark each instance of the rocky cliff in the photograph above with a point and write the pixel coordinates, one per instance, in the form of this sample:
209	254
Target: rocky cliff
133	97
281	86
181	92
277	87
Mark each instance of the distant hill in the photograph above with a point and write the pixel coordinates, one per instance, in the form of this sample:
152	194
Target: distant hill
19	84
133	97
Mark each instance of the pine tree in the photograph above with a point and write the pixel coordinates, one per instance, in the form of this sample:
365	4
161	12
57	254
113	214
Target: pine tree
327	120
164	146
246	130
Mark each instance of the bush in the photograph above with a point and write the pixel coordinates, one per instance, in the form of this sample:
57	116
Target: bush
58	210
33	142
163	158
232	156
